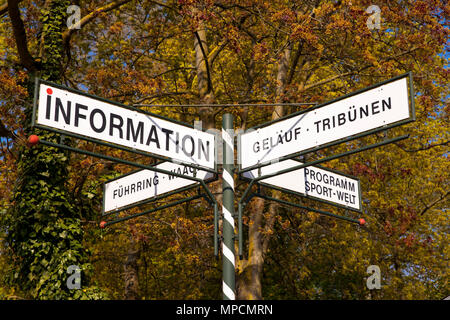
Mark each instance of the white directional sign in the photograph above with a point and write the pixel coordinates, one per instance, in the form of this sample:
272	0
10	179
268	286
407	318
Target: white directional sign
361	112
80	114
315	182
146	184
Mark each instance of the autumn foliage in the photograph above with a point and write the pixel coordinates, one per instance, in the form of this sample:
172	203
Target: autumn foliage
190	52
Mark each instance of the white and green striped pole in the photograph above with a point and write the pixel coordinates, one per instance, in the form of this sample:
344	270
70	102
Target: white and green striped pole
228	280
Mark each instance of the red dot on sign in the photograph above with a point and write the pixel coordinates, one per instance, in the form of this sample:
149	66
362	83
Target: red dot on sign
49	91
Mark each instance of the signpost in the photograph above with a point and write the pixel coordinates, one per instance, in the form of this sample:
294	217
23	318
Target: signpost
189	155
313	182
77	114
144	185
367	111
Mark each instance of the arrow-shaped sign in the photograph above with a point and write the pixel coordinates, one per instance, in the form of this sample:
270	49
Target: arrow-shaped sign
81	115
372	109
143	185
313	182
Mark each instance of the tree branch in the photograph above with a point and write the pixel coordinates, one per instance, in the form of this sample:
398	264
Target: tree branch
5	132
423	148
20	36
215	52
172	70
325	81
322	82
295	60
91	16
205	58
427	207
159	95
4	7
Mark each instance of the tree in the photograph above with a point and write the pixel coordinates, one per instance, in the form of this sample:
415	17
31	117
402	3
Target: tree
44	231
150	53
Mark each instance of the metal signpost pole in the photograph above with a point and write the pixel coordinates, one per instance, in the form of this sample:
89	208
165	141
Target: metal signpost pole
228	283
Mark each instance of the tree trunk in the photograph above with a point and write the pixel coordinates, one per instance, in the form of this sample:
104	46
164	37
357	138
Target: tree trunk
249	284
205	89
44	168
130	269
250	271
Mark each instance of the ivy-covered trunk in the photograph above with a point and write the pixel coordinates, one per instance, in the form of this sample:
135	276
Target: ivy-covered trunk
45	230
